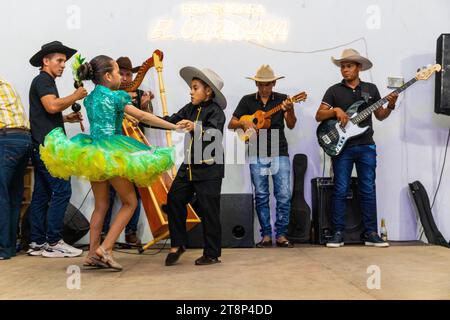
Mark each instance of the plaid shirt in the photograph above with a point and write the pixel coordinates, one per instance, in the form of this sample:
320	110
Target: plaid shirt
12	113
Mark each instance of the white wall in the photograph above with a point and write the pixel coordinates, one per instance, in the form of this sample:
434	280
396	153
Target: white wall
410	143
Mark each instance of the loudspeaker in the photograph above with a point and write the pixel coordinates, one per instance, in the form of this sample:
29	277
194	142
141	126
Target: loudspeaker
322	192
75	226
442	82
236	217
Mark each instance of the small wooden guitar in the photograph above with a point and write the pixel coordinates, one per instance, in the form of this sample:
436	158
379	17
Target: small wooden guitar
262	119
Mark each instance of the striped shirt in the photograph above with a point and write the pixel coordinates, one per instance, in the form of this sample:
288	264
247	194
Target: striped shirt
12	113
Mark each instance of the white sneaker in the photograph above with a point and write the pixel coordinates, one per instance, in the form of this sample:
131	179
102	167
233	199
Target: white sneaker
36	249
61	250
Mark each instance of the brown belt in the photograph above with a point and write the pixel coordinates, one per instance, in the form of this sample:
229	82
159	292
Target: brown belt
14	130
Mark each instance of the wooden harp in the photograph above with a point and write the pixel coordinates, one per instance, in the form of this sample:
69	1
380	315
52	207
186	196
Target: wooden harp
155	196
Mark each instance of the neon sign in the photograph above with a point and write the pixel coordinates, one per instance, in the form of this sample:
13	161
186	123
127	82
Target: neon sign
221	22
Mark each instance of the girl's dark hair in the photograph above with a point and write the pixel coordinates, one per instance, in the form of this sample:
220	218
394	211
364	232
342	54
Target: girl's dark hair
95	69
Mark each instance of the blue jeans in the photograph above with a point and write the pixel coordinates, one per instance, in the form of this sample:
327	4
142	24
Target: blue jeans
365	159
132	224
280	170
15	151
49	203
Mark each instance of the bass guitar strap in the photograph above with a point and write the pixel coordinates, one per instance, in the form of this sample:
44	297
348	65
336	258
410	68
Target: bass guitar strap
365	92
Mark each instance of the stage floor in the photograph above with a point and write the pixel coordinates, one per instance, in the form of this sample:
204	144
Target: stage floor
304	272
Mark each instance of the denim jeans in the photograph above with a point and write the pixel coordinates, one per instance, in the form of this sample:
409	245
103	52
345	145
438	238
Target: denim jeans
15	151
133	223
280	170
365	159
49	203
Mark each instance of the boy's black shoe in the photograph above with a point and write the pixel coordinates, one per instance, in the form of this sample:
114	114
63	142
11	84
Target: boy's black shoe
204	260
173	257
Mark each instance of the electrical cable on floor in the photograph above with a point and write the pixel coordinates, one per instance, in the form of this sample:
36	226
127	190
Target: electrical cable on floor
442	169
144	254
85	197
324	162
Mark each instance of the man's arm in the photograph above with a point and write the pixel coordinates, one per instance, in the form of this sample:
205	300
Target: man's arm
383	113
326	112
289	114
52	104
235	123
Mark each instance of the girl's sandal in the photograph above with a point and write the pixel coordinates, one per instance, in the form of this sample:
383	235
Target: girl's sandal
108	259
94	263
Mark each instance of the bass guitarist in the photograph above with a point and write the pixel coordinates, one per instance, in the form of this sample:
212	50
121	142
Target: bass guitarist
360	150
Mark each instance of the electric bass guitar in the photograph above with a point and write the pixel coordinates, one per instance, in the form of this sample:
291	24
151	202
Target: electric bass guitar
262	119
333	138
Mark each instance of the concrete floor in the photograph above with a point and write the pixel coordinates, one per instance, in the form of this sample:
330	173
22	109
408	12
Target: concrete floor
304	272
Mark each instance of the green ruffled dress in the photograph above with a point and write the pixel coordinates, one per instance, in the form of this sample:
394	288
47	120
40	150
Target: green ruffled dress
105	153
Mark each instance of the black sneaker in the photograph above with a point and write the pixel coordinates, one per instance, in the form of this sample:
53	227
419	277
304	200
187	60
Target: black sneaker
173	257
337	240
205	260
374	240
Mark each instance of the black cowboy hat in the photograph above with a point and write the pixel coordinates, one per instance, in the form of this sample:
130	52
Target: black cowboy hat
51	47
125	63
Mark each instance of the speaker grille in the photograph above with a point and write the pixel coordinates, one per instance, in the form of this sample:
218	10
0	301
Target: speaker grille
236	216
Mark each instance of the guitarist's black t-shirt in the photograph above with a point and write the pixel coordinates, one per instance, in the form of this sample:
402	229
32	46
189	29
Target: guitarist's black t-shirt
251	103
342	96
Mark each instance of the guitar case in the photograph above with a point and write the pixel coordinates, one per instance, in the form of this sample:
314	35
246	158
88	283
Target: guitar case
299	229
422	204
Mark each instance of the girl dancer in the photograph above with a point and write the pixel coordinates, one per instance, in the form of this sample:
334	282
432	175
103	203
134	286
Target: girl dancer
106	156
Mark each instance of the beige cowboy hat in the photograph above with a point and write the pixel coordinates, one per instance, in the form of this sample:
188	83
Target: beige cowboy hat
265	74
354	56
211	78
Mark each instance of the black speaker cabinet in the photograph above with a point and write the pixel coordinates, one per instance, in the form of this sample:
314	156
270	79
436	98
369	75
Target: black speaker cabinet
442	85
236	216
76	226
322	192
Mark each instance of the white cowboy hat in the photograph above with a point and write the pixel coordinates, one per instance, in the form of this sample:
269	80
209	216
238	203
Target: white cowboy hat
265	74
354	56
211	78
